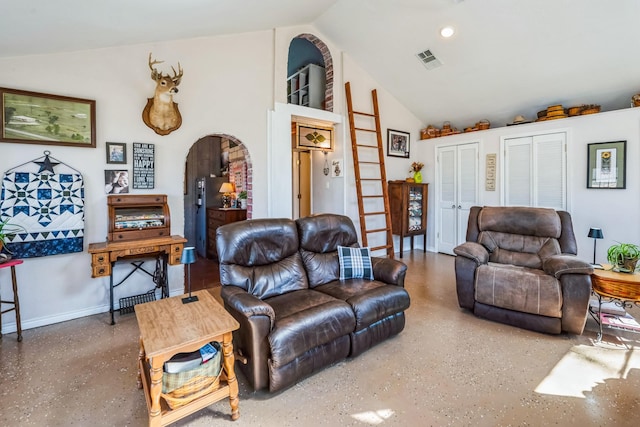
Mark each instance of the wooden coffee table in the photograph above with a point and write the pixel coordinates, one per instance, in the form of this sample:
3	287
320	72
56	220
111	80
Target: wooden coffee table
168	327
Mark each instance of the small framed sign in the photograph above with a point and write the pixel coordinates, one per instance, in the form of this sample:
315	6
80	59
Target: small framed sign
143	166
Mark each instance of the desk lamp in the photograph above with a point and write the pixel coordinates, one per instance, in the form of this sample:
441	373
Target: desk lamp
226	189
595	234
188	258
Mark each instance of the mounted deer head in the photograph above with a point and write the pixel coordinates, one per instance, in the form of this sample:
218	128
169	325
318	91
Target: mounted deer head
161	114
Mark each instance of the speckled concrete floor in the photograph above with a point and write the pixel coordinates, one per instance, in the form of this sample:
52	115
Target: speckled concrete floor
447	368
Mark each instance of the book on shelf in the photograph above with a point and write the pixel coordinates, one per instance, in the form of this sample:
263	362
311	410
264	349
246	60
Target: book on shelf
625	321
187	361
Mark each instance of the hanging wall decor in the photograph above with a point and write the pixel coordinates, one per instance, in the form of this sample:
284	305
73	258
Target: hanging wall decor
45	197
143	166
41	118
161	114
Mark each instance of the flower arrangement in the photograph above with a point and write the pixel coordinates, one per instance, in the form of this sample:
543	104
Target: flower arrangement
416	167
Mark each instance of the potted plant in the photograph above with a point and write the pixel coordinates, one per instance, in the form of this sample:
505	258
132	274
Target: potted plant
624	257
242	197
7	231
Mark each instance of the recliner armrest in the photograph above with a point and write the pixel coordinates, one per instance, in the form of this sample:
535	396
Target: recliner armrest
247	304
557	265
389	270
474	251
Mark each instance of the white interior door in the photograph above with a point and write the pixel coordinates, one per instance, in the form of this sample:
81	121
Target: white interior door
457	192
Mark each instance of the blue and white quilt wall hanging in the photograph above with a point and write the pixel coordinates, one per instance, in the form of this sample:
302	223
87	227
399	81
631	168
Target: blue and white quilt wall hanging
46	199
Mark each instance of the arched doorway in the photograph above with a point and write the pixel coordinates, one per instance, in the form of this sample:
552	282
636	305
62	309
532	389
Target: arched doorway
304	50
212	160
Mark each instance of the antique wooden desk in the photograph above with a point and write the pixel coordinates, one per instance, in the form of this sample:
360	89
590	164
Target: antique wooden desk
166	250
168	327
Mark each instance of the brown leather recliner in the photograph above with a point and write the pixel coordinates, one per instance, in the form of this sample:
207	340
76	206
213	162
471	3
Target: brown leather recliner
280	280
518	266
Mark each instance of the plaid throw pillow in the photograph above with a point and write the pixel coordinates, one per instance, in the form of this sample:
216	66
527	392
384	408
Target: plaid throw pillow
355	263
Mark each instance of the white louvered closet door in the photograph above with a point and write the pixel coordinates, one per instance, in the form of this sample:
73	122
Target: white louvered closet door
535	171
457	193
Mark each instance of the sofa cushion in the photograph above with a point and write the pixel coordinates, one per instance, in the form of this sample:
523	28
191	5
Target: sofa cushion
529	221
306	319
320	236
261	256
518	249
370	300
518	288
355	263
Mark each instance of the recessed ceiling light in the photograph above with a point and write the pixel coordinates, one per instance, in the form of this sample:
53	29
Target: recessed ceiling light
447	32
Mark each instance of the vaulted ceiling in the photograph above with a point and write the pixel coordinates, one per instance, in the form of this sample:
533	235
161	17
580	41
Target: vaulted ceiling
506	57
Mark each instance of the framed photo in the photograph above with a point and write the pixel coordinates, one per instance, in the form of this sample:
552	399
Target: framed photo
39	118
117	153
116	181
607	165
313	137
397	143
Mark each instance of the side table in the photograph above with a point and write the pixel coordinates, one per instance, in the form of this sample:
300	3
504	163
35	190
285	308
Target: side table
16	302
623	289
168	327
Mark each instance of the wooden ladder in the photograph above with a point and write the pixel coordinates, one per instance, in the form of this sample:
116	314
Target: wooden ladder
381	194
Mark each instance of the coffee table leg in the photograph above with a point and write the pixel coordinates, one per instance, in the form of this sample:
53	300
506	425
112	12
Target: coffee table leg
232	381
140	363
154	390
599	337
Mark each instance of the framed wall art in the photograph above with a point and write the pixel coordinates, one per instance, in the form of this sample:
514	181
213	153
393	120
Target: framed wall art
312	137
144	166
397	143
39	118
606	165
117	153
116	181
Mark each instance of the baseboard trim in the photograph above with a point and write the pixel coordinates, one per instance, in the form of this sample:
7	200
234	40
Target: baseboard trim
11	327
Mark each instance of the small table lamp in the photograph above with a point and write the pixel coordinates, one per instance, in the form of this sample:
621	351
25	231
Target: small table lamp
595	234
226	189
188	258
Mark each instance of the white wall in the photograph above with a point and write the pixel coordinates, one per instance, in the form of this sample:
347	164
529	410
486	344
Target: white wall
615	211
226	88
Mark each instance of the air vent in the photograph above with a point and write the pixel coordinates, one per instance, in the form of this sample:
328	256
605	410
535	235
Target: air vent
429	60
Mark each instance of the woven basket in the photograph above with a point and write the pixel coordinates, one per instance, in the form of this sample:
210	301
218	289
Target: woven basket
183	387
615	289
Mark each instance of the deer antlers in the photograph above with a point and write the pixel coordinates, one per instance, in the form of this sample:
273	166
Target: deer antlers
155	75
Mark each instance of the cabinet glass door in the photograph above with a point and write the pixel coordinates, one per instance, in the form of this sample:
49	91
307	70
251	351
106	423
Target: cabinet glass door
415	208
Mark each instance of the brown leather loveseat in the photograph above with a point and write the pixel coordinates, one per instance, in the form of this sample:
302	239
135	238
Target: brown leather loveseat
518	266
281	281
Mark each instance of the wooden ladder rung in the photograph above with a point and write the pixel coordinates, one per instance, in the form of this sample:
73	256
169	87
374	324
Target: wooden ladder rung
374	213
364	114
366	130
377	230
370	163
370	179
373	196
